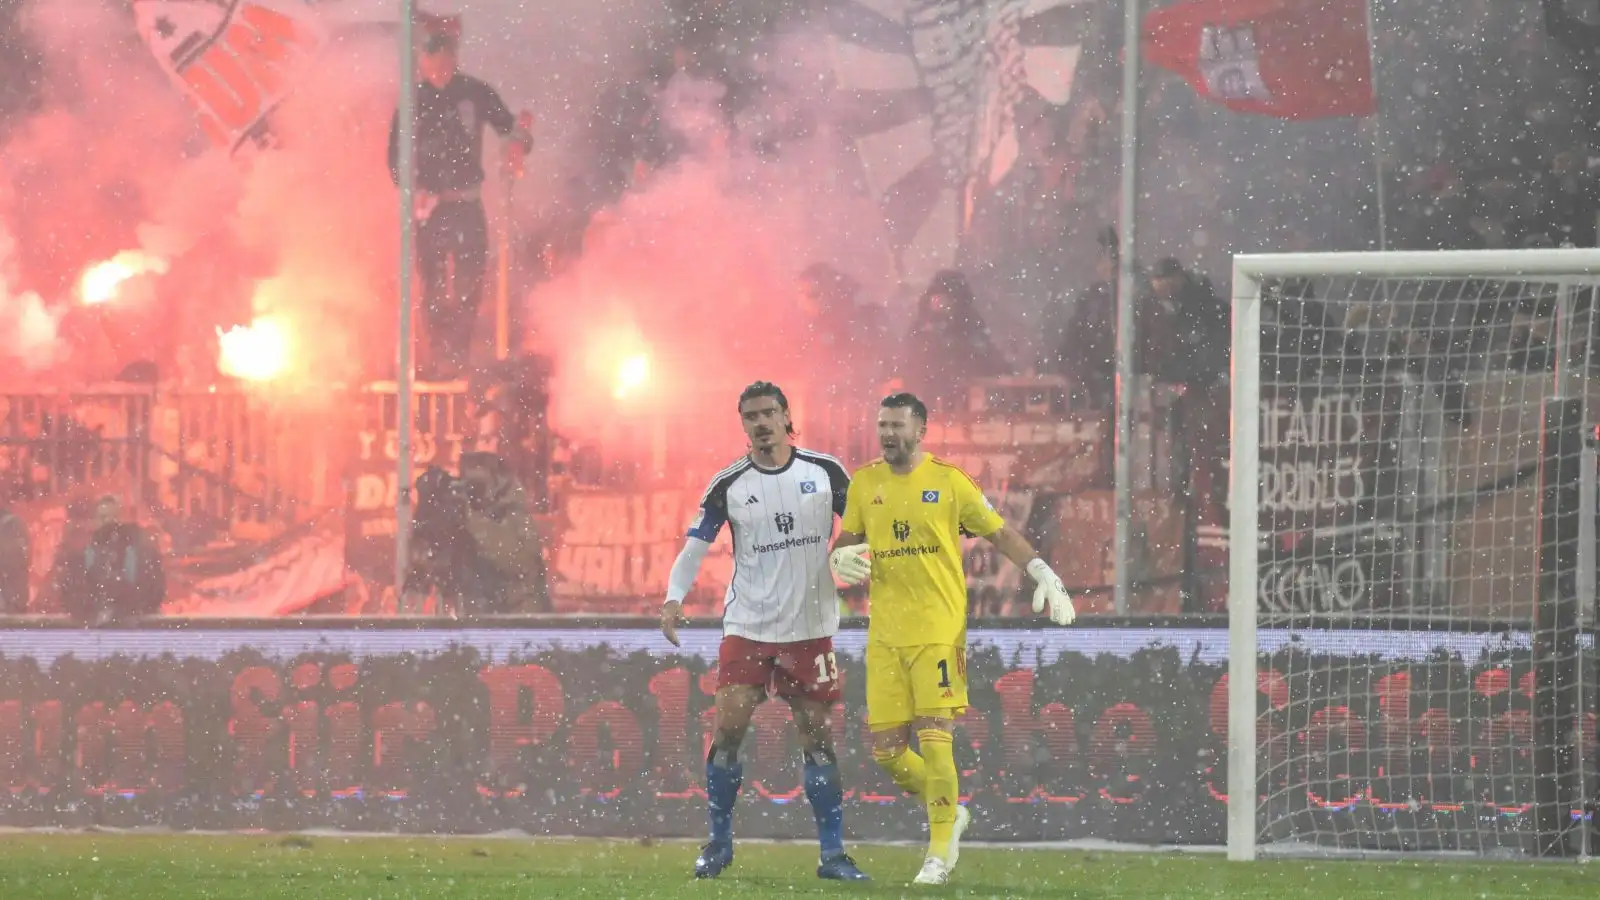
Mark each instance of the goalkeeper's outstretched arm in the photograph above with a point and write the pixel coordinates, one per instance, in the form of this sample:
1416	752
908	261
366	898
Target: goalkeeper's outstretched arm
1049	594
1013	546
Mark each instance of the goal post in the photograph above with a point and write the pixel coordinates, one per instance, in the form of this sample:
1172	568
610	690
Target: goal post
1411	552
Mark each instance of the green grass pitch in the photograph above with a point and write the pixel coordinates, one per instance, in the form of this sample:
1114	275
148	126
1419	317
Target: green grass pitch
102	866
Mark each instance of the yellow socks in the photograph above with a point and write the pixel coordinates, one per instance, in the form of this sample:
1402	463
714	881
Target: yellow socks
933	776
941	792
905	767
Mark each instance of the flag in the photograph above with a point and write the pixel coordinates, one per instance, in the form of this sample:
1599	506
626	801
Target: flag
232	60
1289	59
236	61
927	92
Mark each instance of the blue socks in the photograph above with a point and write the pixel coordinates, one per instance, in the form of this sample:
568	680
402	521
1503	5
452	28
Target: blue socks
722	791
725	775
827	800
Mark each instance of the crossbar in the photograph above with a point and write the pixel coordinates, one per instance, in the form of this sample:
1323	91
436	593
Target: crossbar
1583	263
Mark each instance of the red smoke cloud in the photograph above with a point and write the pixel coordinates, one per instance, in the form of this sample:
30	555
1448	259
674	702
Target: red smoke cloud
686	290
697	267
115	162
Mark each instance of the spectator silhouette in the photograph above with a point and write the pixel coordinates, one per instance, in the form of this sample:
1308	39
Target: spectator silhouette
114	575
949	346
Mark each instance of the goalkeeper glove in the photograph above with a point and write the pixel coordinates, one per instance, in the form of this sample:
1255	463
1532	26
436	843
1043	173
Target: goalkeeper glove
1050	591
851	564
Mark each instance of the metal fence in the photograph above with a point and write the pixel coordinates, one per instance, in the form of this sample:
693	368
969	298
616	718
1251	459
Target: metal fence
228	457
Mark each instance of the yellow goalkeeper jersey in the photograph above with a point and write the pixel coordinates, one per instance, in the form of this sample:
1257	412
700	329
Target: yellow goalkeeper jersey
913	524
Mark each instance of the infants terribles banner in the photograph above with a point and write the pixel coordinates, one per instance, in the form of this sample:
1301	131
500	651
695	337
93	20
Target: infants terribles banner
1114	734
1331	476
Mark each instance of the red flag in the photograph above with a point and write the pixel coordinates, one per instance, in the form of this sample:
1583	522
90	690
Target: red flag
1289	59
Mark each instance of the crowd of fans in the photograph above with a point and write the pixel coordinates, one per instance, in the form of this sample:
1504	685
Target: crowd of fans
1484	139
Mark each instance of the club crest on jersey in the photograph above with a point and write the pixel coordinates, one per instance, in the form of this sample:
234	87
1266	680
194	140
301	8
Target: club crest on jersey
930	496
808	487
902	530
784	521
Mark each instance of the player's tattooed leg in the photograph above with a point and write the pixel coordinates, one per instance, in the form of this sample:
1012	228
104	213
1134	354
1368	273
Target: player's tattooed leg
725	775
822	781
824	790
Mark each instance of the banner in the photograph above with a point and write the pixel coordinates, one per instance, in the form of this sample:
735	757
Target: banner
232	59
993	582
614	551
280	576
1332	478
1079	537
929	92
1117	734
610	551
1290	59
369	513
1059	451
621	545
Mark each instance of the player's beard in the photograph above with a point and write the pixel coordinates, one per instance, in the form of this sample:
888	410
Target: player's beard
897	453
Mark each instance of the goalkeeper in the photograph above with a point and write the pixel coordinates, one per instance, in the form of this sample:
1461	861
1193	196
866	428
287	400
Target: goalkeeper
911	509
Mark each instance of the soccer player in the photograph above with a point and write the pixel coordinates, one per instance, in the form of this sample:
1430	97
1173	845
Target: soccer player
903	521
778	621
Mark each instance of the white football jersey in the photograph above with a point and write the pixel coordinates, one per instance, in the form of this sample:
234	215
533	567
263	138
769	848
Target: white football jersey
782	523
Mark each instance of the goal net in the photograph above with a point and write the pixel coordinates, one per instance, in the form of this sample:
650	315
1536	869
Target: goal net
1411	540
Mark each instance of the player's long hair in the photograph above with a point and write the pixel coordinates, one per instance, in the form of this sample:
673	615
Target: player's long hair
767	389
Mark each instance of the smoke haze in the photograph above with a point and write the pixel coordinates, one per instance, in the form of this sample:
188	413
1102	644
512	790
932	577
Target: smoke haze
697	266
693	267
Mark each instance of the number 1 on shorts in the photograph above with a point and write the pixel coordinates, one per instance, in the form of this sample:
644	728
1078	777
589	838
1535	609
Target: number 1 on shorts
944	673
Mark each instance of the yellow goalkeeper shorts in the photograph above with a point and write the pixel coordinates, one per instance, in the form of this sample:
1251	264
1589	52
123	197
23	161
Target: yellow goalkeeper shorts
904	683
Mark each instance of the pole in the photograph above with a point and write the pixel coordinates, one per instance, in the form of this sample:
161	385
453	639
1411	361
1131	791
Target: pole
1377	135
1121	469
502	287
408	185
1243	572
1557	657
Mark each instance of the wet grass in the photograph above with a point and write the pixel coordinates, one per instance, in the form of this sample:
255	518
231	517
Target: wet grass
171	867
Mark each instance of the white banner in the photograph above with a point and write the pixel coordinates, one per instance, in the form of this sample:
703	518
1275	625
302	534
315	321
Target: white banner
968	61
233	59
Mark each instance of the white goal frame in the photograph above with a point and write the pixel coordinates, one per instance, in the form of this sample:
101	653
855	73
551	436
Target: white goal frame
1249	271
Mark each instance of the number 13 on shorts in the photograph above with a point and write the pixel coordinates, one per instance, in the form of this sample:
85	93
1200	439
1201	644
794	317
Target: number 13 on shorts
827	668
